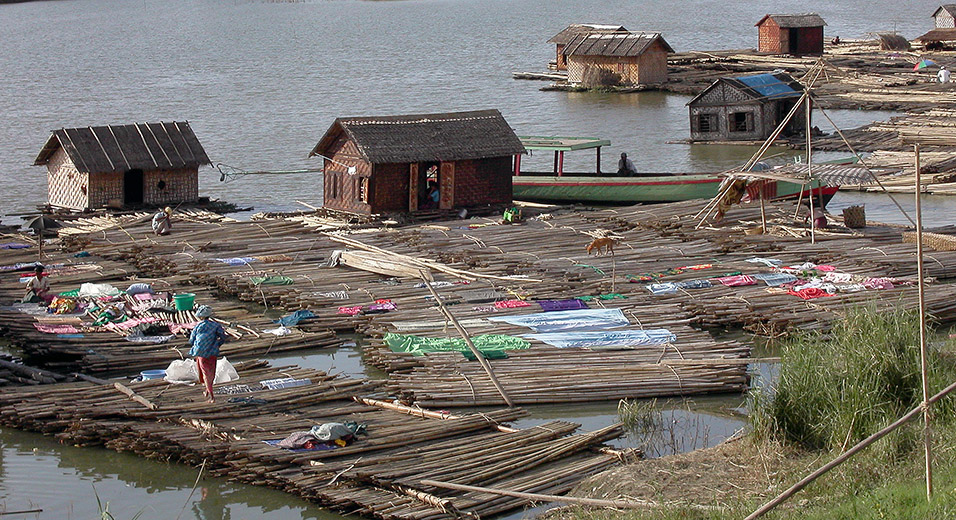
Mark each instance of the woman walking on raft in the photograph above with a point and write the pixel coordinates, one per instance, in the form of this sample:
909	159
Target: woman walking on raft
206	339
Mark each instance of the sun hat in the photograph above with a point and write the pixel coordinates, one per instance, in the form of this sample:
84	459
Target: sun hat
204	311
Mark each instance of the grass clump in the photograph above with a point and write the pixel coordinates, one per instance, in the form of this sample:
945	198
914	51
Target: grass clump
835	390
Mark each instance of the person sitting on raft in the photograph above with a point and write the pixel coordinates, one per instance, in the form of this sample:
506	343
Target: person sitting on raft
206	338
625	167
162	221
38	288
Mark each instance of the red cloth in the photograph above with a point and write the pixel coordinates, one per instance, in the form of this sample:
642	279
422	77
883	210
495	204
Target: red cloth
207	371
810	293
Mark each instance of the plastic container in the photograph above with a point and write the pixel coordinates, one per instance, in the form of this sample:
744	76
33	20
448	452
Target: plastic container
184	302
153	374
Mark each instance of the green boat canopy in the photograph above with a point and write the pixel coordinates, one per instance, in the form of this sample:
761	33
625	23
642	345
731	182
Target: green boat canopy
561	144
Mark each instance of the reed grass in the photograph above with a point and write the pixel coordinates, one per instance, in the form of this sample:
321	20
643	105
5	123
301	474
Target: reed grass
835	389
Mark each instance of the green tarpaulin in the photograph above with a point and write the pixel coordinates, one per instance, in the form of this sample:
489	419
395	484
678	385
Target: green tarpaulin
491	346
271	280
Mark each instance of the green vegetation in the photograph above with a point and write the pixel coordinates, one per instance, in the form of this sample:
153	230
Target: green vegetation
834	390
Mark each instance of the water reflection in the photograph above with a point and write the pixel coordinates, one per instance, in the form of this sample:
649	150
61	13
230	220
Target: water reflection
64	481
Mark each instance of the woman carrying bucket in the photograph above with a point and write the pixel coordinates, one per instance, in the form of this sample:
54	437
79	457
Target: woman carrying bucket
206	338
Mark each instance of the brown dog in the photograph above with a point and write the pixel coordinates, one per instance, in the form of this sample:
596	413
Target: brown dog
606	243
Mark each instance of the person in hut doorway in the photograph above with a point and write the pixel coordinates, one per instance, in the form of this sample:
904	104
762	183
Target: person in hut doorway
163	221
206	338
625	167
432	195
38	287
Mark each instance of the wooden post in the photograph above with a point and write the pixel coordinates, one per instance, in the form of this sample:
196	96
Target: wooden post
555	170
598	167
927	426
427	278
517	164
813	236
763	211
560	163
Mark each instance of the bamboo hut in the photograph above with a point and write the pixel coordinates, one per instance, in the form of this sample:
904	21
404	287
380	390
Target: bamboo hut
574	30
634	58
385	164
945	16
127	165
744	108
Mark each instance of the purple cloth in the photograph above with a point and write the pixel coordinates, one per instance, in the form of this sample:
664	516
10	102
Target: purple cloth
562	305
13	245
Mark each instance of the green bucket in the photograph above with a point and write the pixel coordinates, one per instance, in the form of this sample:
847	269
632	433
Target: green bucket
184	302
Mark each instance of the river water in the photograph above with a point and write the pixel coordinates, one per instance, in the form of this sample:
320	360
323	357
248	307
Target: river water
260	81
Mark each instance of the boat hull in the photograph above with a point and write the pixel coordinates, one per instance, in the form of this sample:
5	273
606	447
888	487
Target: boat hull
633	190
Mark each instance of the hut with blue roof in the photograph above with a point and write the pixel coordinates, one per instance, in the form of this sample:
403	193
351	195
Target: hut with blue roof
746	108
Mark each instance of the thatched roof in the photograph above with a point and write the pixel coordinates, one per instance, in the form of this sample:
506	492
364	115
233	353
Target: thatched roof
455	136
577	29
630	44
794	21
893	42
117	148
938	35
949	8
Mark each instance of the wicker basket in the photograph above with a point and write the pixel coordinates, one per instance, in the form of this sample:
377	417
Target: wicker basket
854	217
934	241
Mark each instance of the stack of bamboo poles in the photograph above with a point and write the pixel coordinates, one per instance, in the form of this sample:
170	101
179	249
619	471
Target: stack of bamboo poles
381	474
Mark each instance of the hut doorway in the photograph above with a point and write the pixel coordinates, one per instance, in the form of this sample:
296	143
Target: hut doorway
133	187
794	42
429	185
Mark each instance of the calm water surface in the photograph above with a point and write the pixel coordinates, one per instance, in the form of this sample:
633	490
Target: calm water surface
262	81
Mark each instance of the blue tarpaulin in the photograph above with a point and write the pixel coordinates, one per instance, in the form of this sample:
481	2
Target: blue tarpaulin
558	321
606	339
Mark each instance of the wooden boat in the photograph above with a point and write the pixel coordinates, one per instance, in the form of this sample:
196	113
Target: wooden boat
558	186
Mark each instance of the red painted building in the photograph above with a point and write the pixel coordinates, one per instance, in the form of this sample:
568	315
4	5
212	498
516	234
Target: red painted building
377	165
796	34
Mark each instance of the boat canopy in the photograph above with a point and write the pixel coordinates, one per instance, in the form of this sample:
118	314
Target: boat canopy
561	144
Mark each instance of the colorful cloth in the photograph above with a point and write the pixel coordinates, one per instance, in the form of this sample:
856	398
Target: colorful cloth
56	329
878	283
769	262
490	345
206	338
694	284
271	280
608	296
810	293
737	280
697	267
775	279
351	311
562	305
14	245
293	319
511	304
559	321
243	260
380	306
662	288
605	339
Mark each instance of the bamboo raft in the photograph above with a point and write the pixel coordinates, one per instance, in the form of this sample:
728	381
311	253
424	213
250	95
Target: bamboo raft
381	474
495	259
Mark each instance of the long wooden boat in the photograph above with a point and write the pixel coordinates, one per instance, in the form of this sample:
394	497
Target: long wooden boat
561	187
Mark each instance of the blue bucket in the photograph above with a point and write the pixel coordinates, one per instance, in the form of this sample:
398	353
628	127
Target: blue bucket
153	374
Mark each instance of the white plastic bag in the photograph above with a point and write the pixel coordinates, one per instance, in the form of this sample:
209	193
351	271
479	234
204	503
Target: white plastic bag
182	371
185	371
225	372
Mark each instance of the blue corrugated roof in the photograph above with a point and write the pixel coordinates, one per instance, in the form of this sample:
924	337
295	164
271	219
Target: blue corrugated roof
768	85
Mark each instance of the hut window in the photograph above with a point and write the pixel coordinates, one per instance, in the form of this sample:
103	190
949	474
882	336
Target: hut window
333	186
363	189
706	123
742	122
161	185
